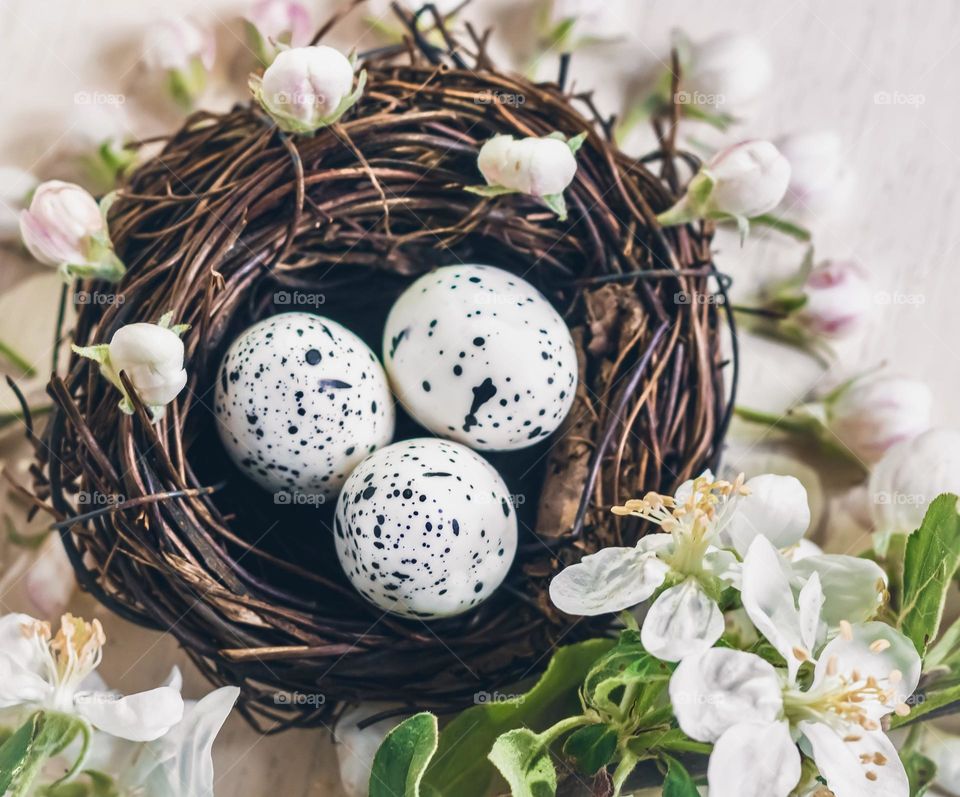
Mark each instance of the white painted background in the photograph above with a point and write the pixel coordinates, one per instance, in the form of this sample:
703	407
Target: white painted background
831	60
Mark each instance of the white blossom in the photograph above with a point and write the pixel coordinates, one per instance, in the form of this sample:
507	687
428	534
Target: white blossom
819	177
536	166
185	51
729	69
58	673
837	298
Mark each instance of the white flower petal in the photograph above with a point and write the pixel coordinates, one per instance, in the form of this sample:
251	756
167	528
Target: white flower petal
850	767
607	581
891	651
944	750
853	587
685	490
141	717
683	620
810	604
719	688
723	565
186	753
357	747
754	760
776	508
768	600
802	550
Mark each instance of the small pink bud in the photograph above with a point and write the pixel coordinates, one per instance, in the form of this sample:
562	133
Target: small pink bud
838	299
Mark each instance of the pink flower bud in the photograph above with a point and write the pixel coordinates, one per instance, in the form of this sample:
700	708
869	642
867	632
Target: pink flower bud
62	224
875	412
838	299
818	173
275	22
750	179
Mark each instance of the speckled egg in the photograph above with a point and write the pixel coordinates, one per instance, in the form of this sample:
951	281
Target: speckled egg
300	401
477	354
425	528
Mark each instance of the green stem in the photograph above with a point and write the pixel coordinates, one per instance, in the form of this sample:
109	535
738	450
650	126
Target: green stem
17	359
550	735
783	422
782	225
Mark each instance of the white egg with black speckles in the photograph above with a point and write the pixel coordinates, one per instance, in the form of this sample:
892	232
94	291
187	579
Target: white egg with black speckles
479	355
300	401
425	528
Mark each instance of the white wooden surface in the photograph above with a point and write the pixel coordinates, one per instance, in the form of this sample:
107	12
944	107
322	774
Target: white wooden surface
831	59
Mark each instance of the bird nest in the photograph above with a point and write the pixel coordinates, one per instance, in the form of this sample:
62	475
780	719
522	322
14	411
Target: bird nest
232	219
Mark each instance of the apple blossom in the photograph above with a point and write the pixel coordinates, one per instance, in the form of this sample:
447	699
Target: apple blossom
741	182
754	716
185	51
685	558
729	69
306	88
16	186
818	173
541	167
65	227
151	355
277	22
909	476
40	671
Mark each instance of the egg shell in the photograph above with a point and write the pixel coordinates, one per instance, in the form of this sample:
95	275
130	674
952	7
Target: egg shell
477	354
300	401
425	528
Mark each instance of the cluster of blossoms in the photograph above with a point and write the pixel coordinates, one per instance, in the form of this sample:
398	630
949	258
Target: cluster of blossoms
803	670
150	744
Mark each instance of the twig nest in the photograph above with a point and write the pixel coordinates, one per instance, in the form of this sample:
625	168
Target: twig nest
238	221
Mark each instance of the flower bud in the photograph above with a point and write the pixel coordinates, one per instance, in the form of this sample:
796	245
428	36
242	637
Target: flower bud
817	170
356	747
871	414
910	475
185	51
587	20
273	22
536	166
729	69
152	357
837	299
750	179
740	182
16	186
307	88
64	227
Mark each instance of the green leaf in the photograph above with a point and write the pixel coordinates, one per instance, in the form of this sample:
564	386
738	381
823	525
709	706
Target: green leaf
930	701
15	752
557	204
591	748
402	759
930	561
678	782
99	353
524	761
921	772
460	766
626	665
576	142
668	739
489	190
